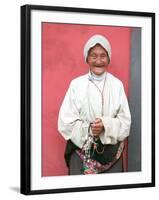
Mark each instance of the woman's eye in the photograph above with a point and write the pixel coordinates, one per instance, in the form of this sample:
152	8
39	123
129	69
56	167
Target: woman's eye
93	56
103	56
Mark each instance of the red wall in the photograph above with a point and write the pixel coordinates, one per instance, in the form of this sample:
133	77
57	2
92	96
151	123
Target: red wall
62	60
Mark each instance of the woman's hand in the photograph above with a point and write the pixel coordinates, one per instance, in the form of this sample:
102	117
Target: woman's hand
97	127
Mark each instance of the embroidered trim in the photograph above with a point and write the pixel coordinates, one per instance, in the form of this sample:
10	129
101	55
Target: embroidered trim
94	167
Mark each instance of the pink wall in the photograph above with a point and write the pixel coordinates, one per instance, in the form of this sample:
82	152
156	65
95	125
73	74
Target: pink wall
62	60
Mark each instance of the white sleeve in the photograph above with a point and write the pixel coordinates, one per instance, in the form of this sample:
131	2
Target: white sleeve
70	125
117	128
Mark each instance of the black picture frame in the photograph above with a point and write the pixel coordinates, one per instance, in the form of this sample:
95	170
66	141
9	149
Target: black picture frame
26	91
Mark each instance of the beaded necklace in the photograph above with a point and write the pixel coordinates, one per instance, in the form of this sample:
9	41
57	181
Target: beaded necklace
91	140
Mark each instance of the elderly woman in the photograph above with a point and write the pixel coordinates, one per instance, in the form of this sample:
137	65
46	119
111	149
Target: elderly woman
94	117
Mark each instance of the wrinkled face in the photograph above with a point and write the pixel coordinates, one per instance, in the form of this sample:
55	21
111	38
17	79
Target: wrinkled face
97	59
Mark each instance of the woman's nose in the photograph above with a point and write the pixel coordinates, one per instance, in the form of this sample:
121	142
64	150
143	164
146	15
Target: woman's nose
98	61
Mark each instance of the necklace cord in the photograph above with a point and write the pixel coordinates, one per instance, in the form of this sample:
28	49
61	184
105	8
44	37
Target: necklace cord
101	92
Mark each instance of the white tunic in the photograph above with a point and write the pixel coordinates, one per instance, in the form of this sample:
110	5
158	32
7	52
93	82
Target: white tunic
83	104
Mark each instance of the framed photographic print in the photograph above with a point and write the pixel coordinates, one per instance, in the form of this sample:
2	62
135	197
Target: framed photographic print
87	99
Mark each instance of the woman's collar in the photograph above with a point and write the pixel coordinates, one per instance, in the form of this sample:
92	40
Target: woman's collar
95	77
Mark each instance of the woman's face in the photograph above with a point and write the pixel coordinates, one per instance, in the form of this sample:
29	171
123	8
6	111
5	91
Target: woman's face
98	59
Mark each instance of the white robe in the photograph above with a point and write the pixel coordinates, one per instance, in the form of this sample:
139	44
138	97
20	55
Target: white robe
83	104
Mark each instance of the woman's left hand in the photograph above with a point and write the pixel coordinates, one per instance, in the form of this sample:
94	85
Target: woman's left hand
97	127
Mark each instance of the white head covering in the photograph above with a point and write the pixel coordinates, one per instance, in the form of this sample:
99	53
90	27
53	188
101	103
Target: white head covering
97	39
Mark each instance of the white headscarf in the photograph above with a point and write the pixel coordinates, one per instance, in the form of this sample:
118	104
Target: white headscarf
97	39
